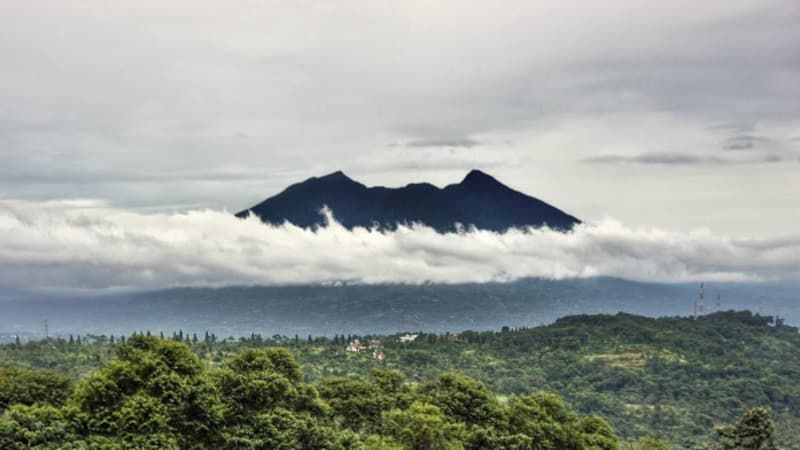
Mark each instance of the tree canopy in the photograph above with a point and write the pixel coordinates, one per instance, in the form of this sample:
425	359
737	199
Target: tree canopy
157	394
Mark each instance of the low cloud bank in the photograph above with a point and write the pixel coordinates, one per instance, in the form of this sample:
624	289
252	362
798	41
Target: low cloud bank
84	244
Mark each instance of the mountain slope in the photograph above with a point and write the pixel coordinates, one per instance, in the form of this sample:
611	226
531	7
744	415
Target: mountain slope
478	200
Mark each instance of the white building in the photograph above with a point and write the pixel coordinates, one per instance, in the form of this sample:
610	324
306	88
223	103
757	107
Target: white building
408	337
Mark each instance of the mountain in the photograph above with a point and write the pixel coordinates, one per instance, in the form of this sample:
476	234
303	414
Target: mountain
479	200
369	309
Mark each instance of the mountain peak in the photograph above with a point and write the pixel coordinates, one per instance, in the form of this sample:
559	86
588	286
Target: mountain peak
479	200
476	177
335	176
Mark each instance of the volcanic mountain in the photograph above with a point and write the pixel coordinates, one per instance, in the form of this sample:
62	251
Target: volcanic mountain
479	200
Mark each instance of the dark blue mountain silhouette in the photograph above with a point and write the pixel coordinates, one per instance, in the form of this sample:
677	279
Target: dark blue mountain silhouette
479	200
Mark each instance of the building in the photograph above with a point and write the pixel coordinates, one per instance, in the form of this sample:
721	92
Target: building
408	337
355	346
450	337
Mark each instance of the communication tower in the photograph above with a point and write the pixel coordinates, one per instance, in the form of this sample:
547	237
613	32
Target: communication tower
701	305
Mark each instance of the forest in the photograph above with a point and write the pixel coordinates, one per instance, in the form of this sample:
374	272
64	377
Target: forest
722	381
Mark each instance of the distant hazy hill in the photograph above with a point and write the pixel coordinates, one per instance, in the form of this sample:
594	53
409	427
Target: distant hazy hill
479	200
369	309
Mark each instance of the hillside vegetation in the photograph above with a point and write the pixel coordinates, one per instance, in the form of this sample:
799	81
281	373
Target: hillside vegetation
675	379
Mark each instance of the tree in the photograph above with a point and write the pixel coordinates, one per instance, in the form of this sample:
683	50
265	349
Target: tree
463	399
545	418
158	394
153	388
25	427
356	404
422	427
754	430
597	434
649	443
28	387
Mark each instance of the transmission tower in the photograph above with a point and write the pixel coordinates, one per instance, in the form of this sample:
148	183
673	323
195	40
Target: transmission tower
701	306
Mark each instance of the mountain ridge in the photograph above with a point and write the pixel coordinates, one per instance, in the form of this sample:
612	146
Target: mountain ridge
479	200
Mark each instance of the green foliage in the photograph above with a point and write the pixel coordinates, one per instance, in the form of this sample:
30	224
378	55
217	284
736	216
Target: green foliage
754	430
545	418
27	387
155	388
467	400
672	378
24	427
356	404
267	406
647	443
597	434
423	427
156	394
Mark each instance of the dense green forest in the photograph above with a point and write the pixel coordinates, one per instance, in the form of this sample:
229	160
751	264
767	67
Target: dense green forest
595	382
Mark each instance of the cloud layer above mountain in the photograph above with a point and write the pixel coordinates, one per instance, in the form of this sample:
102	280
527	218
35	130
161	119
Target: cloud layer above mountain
597	107
86	245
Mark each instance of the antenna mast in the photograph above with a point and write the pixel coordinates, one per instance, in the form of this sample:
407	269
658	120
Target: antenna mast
46	335
701	306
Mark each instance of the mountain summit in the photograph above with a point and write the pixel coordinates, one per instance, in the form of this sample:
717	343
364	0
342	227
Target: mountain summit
479	200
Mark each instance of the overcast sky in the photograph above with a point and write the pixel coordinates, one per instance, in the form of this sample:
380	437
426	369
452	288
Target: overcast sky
675	114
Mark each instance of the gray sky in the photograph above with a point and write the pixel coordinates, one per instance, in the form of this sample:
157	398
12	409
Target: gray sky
678	115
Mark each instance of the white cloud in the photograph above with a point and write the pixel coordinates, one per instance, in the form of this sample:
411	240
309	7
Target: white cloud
83	244
159	103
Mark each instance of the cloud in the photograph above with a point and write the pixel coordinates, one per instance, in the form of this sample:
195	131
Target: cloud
457	142
744	142
655	158
139	101
84	245
682	159
741	145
